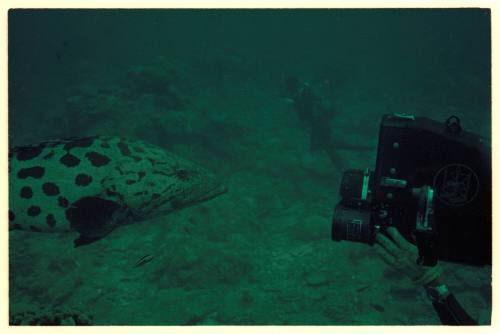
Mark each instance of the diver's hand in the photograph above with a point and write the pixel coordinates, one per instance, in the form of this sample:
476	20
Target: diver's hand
403	255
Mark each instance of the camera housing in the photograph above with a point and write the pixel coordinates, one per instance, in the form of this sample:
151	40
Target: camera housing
432	181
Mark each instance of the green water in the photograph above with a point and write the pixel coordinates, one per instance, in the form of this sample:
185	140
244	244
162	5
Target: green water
209	85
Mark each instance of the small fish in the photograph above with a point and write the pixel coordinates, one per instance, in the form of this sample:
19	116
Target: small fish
92	185
143	260
363	288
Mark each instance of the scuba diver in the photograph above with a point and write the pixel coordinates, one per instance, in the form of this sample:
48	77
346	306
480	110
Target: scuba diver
401	255
316	114
371	200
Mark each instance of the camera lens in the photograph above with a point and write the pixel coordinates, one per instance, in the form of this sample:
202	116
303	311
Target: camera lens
351	224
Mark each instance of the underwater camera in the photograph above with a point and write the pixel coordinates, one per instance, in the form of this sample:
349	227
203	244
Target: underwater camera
432	181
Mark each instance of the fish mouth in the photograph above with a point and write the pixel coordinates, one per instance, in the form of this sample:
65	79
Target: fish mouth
216	190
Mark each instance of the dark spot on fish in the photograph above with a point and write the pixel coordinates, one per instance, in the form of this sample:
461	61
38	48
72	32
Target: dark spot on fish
34	172
51	220
124	149
17	227
12	216
34	211
130	181
141	193
26	192
83	180
119	170
97	159
69	160
28	152
79	142
156	195
136	158
35	229
152	161
50	189
141	175
182	174
49	156
114	194
63	202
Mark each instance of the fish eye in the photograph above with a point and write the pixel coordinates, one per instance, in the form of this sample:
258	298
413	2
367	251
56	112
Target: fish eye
182	174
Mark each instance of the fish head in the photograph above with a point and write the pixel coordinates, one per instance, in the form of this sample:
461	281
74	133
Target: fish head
151	189
188	184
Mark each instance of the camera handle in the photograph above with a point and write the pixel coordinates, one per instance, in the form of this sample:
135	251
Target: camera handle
425	228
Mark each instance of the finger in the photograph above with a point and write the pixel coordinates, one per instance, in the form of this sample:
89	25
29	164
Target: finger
388	244
398	239
384	255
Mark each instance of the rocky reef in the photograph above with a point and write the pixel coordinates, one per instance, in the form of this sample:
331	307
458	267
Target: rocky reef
53	317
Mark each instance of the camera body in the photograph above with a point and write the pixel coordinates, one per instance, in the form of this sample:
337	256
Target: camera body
432	181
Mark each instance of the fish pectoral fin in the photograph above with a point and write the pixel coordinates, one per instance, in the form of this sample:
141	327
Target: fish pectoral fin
93	218
85	240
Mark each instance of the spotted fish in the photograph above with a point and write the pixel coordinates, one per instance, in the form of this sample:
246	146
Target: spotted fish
92	185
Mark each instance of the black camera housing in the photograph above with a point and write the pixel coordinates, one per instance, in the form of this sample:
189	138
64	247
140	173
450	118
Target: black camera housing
432	181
